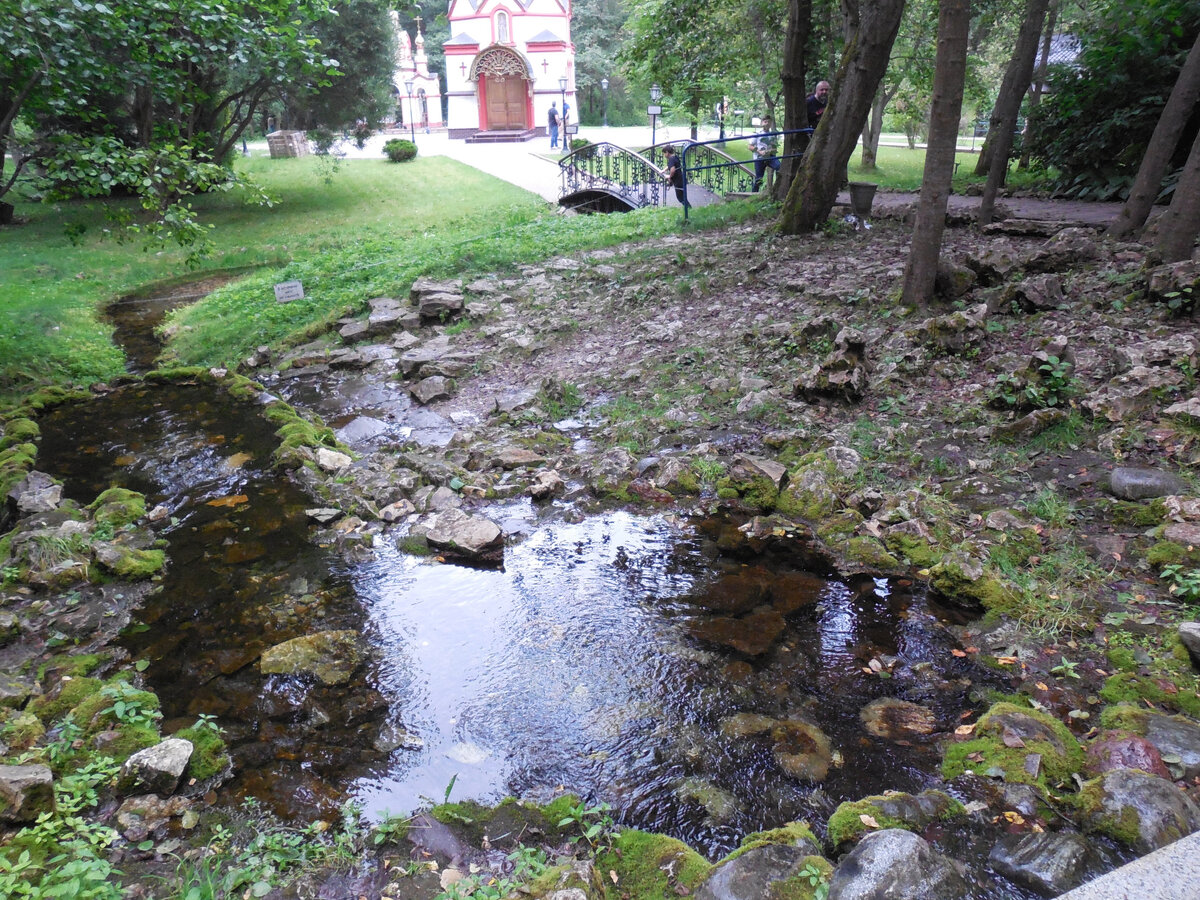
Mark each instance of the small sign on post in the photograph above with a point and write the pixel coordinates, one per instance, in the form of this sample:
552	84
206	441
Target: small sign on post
654	110
287	291
572	129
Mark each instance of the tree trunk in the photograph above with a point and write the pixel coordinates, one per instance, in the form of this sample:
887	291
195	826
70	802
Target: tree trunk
864	61
1012	88
1161	148
795	109
872	130
949	73
1179	225
1039	78
1008	105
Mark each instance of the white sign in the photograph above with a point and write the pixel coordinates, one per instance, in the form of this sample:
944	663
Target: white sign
287	291
572	129
654	110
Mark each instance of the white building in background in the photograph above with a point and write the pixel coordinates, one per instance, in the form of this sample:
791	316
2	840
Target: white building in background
504	63
425	106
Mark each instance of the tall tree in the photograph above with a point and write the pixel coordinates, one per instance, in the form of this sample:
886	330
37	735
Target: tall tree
1180	224
1017	77
795	109
950	70
1008	105
1161	148
872	27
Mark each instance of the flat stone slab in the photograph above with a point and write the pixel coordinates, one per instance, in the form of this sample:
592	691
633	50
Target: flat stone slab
1169	873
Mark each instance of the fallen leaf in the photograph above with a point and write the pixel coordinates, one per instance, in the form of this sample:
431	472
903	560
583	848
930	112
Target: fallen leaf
1117	557
965	729
1006	660
958	653
869	821
1015	818
972	649
234	500
612	873
1041	686
1011	739
977	756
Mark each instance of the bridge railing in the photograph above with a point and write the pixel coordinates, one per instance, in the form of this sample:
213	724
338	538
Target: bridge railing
705	165
615	170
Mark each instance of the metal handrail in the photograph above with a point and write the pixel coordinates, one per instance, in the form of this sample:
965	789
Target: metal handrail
706	146
614	169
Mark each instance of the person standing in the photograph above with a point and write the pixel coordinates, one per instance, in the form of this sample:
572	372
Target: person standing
766	150
566	119
816	103
720	110
552	124
675	175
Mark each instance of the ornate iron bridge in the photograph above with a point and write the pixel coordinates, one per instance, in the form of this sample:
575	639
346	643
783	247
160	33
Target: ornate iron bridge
604	177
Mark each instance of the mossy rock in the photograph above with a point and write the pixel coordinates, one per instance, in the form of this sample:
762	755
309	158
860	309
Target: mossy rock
210	755
179	374
1140	515
960	577
1137	809
472	821
101	710
52	707
19	431
21	731
870	552
811	492
1168	553
898	810
793	834
16	462
642	861
915	549
804	886
130	563
73	665
1037	734
122	742
118	507
839	527
1130	687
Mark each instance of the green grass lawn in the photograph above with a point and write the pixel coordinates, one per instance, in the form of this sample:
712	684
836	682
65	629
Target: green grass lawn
52	287
368	231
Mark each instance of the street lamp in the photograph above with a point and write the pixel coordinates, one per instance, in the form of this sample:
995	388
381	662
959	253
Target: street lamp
655	111
604	87
412	131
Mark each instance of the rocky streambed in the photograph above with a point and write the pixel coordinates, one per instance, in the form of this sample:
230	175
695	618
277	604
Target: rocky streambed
943	553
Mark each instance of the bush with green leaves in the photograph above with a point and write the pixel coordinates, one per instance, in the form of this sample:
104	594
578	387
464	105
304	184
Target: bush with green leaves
400	150
1095	124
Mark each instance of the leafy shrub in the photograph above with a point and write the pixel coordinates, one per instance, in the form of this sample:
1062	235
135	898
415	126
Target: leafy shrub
1095	124
579	143
400	150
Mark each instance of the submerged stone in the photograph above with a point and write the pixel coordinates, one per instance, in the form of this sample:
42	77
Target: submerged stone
329	656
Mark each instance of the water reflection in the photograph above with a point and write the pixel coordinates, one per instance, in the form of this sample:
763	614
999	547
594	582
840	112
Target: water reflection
621	658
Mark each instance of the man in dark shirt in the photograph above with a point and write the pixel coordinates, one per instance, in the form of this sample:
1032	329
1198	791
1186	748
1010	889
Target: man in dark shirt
816	102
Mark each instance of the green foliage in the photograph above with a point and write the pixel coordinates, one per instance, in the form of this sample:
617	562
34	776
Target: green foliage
1051	384
594	824
1183	583
1095	124
400	150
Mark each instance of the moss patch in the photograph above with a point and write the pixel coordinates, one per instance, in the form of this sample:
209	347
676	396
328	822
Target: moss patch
642	860
870	552
988	754
791	835
133	564
916	550
210	756
815	873
71	692
118	507
15	463
19	431
1129	687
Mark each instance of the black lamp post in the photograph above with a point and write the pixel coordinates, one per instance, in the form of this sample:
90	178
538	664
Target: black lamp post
412	131
604	87
655	109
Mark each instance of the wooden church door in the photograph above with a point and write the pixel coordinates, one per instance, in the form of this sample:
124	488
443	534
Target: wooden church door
505	88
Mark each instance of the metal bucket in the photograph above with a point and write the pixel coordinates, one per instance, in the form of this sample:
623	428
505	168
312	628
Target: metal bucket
862	193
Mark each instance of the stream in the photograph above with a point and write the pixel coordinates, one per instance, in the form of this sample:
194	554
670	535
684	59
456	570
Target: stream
593	661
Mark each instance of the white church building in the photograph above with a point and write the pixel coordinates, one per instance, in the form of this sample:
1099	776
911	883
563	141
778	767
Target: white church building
507	61
418	91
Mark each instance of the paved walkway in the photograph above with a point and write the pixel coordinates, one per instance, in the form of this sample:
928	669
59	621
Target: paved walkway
532	165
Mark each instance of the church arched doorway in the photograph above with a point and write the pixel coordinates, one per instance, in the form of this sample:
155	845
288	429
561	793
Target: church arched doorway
502	84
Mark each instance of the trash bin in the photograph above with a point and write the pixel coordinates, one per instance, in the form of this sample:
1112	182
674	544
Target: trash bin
862	193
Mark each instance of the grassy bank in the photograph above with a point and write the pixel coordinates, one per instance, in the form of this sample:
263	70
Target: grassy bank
369	230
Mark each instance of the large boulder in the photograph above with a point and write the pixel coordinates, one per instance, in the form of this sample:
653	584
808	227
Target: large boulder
911	812
749	875
897	865
1141	810
1132	483
1048	862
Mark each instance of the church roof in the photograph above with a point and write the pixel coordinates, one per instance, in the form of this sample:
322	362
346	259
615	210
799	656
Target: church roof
461	38
475	4
546	36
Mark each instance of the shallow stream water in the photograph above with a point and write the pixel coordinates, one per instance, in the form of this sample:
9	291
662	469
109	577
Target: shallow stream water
593	662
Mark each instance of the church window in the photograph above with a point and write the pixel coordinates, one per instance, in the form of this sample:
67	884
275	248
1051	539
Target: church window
502	27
